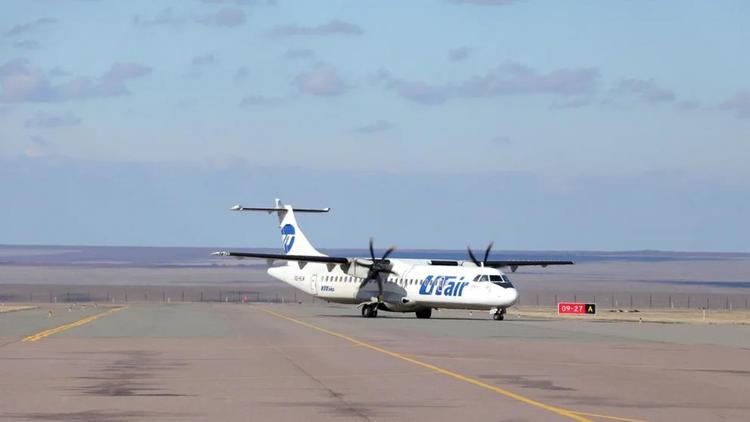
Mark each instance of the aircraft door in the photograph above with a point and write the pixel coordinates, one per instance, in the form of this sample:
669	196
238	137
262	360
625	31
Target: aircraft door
313	284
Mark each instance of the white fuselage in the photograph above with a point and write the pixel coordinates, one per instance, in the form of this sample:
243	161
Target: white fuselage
417	285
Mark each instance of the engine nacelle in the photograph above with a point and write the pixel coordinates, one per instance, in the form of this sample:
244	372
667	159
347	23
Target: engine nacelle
402	305
355	270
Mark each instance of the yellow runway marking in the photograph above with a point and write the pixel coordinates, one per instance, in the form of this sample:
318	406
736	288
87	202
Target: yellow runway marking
46	333
578	416
613	418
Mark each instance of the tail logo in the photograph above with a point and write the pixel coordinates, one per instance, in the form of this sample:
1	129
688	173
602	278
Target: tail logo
287	237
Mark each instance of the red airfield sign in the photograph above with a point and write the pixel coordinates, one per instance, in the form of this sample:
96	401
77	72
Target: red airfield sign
576	308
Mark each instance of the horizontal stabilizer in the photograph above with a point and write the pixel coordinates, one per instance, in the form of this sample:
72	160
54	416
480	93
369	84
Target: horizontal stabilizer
276	209
284	257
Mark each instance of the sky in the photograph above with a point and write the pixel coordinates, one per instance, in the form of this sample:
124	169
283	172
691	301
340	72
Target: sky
583	125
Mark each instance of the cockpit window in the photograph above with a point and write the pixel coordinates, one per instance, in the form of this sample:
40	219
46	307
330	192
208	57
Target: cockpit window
501	280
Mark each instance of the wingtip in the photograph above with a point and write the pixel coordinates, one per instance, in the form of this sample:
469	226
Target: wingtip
220	253
236	207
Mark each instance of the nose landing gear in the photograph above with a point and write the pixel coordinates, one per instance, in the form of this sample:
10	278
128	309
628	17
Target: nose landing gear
499	315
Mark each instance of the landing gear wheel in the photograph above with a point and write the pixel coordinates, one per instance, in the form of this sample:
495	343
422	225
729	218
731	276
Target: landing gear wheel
424	313
370	311
499	315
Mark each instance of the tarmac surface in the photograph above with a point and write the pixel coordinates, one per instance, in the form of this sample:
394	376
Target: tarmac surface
315	362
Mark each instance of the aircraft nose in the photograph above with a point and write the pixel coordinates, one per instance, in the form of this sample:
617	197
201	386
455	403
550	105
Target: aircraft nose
512	295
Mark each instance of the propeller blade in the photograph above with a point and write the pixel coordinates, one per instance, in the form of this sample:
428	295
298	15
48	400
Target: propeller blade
365	281
388	252
372	251
487	252
473	258
380	288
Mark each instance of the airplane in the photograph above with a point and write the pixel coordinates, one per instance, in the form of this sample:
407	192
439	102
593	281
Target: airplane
385	283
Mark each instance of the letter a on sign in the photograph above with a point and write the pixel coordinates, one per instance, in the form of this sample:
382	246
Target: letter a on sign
590	308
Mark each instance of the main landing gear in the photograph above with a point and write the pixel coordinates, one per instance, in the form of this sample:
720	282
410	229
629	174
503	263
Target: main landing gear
370	311
424	313
499	315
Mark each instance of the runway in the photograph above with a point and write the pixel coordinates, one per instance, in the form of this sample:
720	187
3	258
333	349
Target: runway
323	362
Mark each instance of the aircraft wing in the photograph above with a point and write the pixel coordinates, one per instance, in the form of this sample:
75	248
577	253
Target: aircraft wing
284	257
514	264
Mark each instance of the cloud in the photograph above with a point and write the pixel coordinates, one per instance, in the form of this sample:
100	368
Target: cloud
57	72
241	2
513	78
574	102
321	81
241	74
645	90
689	105
500	140
420	92
51	121
225	17
259	100
164	17
331	28
739	103
22	82
299	54
201	63
29	26
40	147
376	127
486	2
507	79
121	71
208	59
27	45
459	54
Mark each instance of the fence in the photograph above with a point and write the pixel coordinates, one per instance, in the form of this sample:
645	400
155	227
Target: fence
640	300
145	294
170	294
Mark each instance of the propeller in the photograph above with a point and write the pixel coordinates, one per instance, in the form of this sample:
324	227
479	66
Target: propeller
377	267
486	255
